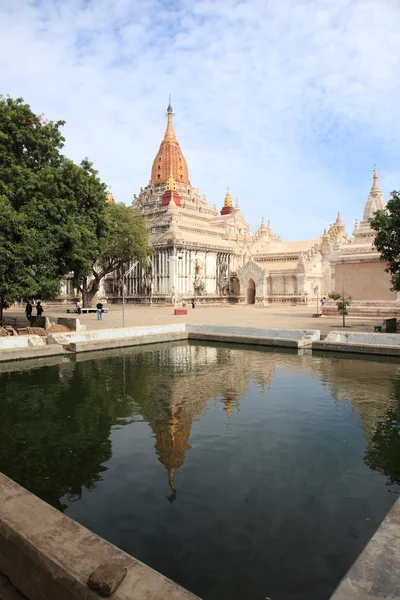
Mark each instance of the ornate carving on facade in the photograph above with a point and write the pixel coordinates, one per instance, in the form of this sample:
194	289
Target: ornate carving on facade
252	270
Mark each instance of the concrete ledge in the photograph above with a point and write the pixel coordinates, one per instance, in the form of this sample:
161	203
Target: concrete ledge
30	352
244	339
376	573
123	342
48	556
113	334
357	348
303	336
13	342
72	323
364	337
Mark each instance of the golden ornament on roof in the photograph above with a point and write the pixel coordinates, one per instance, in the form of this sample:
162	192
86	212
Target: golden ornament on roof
110	196
228	199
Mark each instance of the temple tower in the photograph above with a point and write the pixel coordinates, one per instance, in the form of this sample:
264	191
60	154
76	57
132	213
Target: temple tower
169	159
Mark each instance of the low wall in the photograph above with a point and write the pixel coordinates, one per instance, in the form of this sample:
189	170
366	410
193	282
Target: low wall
39	322
13	342
382	344
364	337
20	347
293	338
72	323
376	573
246	339
48	556
114	338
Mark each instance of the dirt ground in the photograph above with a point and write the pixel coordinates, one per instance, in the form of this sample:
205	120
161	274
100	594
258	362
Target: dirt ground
286	317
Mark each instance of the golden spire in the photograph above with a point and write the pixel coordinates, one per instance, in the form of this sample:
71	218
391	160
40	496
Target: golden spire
169	156
171	181
228	199
169	132
110	196
375	173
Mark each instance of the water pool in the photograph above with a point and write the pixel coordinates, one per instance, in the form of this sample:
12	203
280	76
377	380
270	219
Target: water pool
237	472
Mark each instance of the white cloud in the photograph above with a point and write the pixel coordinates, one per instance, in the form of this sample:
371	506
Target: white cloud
289	103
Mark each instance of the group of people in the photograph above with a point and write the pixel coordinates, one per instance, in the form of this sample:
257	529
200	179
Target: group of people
29	309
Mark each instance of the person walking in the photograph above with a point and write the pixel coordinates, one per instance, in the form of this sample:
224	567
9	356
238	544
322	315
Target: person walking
193	304
99	307
78	307
28	310
39	309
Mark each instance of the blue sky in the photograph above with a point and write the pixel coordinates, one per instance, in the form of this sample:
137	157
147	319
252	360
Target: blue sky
288	102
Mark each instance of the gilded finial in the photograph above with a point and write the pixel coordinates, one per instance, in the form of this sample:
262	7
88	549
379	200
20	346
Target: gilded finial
110	196
228	199
169	132
375	173
171	181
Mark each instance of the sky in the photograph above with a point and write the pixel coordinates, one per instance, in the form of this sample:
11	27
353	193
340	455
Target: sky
290	103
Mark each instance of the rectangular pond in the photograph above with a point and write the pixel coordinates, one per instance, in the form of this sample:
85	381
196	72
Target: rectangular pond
238	472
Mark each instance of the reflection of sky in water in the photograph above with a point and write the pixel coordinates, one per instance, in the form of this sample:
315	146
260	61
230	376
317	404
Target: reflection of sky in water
239	473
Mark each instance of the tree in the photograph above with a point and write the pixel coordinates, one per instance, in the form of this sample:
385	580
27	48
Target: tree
52	211
126	241
386	223
383	449
342	303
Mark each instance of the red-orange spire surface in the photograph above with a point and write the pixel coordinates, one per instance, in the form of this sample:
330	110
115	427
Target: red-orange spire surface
169	158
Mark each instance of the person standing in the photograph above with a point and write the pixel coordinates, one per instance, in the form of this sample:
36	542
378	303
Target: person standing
99	307
78	307
28	310
39	309
193	303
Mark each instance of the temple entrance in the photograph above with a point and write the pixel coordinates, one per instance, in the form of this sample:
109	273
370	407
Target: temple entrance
251	291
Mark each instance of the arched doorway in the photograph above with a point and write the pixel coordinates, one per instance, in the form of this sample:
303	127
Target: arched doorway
251	291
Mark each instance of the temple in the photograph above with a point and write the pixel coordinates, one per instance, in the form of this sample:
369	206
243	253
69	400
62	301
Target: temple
210	253
356	267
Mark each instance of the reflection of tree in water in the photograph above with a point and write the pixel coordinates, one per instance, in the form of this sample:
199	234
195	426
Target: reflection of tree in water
55	424
383	451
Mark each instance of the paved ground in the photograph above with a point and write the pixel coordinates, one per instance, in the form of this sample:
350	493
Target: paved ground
288	317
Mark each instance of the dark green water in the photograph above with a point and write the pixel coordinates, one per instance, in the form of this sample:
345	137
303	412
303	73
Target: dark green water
239	473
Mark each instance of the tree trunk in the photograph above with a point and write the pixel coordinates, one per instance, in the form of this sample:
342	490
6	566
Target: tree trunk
1	307
89	291
344	320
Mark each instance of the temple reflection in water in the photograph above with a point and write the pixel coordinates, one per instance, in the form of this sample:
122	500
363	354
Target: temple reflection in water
208	377
76	403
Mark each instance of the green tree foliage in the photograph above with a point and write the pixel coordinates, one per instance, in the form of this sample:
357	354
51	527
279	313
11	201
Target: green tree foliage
52	212
386	223
126	240
342	303
383	452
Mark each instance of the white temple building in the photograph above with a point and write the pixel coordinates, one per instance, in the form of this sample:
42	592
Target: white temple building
213	256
